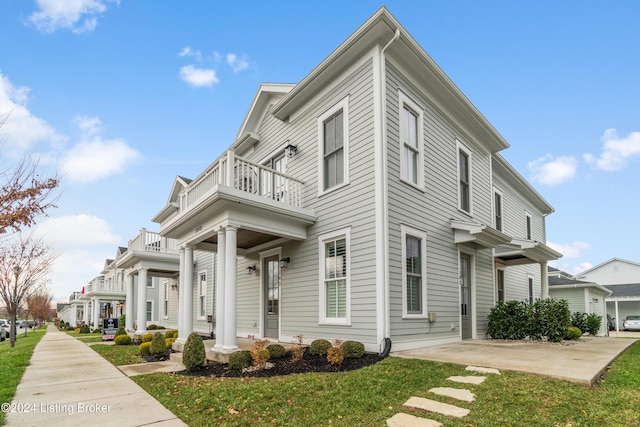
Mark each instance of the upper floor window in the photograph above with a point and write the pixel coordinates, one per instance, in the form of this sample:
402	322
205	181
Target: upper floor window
149	282
334	278
527	219
414	272
464	179
334	146
411	157
497	210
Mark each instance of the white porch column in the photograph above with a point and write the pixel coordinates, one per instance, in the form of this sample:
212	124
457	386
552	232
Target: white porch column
85	311
142	301
230	332
617	316
74	315
181	292
544	274
187	319
95	302
220	285
128	304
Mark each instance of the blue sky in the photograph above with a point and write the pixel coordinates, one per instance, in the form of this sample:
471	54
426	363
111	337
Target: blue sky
122	96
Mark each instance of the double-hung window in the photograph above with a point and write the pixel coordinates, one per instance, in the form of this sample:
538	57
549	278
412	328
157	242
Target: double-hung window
334	278
149	311
411	146
500	291
464	179
334	147
527	220
497	210
202	295
166	299
414	279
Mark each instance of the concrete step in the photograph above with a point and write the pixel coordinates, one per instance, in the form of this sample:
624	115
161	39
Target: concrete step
482	370
456	393
175	357
435	406
406	420
471	379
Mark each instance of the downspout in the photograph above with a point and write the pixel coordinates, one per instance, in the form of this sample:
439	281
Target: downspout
382	204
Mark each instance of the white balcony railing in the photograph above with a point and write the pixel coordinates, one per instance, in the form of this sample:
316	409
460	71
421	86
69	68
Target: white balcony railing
101	285
149	241
245	176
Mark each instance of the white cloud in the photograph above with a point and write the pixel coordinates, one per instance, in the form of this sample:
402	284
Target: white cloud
548	170
616	151
75	229
198	76
570	251
79	16
90	161
236	63
88	125
188	52
21	130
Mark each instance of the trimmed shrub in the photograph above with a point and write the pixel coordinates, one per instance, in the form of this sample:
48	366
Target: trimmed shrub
579	320
572	333
509	320
516	320
193	353
276	351
594	322
152	327
147	337
85	329
144	349
122	340
169	342
319	347
353	349
158	346
121	331
240	359
171	334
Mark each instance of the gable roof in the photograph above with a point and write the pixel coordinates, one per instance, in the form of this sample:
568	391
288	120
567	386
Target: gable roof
566	283
172	203
630	290
624	261
267	94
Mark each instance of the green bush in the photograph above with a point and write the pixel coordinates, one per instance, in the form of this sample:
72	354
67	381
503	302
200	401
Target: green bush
147	337
594	322
509	320
122	340
572	333
85	329
158	346
319	347
171	334
353	349
144	349
276	351
240	359
516	320
152	327
121	331
579	320
169	342
193	353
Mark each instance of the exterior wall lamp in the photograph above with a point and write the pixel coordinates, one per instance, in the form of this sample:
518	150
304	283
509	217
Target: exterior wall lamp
284	262
251	270
290	150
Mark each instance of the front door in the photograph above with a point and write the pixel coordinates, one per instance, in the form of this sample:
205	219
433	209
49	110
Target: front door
271	279
465	295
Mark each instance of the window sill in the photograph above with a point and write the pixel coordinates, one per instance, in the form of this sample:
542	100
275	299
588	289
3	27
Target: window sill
414	316
332	189
419	187
334	323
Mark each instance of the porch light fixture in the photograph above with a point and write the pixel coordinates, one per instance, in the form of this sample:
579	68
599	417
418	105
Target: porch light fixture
174	286
290	150
251	270
284	262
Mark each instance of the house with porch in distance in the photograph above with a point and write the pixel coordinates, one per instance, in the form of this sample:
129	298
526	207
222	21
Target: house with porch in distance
103	297
367	202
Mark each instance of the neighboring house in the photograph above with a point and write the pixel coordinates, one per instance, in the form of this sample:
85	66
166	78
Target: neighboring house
104	296
367	202
584	297
622	277
73	312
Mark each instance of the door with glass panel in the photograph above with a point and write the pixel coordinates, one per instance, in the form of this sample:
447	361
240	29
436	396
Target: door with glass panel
271	280
465	296
275	185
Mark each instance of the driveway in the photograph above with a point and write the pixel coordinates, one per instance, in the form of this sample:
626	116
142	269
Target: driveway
576	361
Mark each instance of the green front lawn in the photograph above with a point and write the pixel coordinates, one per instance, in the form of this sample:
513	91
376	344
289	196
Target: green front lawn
119	354
371	395
13	362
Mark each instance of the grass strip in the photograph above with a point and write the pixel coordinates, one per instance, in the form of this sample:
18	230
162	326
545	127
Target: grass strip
119	355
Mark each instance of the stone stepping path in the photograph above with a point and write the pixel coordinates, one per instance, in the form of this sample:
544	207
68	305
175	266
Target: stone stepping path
402	419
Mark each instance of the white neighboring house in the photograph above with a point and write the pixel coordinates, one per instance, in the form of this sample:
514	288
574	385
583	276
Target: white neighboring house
622	277
368	202
104	296
73	311
582	296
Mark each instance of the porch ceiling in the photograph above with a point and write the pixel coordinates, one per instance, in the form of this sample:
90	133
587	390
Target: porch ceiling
246	239
523	251
477	234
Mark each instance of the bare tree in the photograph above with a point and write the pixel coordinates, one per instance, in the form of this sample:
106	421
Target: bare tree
39	304
24	266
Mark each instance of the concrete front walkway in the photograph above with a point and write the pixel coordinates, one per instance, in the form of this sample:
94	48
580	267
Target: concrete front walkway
576	361
68	384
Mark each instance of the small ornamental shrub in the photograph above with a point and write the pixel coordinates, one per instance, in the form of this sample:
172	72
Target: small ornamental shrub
579	320
193	353
168	342
335	354
593	323
122	340
240	359
353	349
319	347
259	352
121	331
144	349
147	337
298	348
158	346
276	351
171	334
97	330
572	333
84	329
152	327
77	330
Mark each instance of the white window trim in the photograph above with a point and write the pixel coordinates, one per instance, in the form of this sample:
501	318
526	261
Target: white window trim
165	306
422	235
461	147
322	239
504	276
495	225
199	307
527	216
150	280
531	296
152	311
419	111
344	106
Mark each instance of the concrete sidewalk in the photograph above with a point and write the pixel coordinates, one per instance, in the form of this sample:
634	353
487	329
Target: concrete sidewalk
68	384
576	361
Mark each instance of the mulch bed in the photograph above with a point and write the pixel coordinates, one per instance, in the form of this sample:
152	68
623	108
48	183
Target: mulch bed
286	366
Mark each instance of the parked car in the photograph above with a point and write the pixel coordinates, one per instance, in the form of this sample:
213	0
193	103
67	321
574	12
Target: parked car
631	323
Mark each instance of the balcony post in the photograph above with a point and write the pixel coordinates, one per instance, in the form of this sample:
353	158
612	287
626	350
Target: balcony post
143	239
231	160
